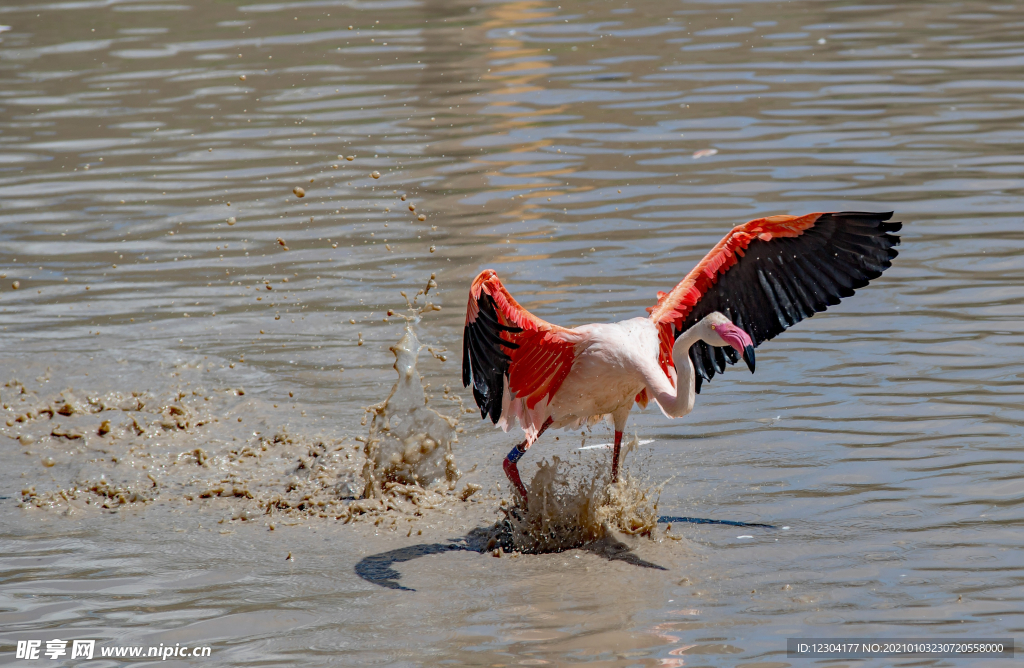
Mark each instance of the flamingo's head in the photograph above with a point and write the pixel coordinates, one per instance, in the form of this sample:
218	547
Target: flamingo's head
721	332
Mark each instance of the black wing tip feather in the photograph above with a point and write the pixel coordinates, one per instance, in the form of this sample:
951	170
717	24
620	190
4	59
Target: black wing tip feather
485	361
467	376
877	216
879	219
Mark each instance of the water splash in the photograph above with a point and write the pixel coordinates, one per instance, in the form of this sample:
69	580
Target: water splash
409	442
576	504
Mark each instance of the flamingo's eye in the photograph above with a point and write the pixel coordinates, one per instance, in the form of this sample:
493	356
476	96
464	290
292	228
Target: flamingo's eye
712	326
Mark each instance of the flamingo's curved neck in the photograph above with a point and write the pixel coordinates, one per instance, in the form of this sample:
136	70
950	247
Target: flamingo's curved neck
677	401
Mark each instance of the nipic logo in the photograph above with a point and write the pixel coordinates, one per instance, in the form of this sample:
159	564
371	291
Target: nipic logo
55	649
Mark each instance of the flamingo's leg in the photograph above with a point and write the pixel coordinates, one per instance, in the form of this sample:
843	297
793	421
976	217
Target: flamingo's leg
615	456
512	471
510	464
619	418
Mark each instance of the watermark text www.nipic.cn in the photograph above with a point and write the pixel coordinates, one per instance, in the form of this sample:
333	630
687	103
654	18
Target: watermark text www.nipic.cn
86	649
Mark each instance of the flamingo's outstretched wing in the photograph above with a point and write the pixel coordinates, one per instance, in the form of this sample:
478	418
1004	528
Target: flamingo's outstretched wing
503	343
772	273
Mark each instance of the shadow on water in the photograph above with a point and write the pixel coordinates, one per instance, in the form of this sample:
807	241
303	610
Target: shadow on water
378	568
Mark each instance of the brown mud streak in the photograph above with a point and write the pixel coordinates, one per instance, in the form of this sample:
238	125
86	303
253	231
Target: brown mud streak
122	450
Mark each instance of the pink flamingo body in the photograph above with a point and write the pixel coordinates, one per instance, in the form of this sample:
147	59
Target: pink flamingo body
763	277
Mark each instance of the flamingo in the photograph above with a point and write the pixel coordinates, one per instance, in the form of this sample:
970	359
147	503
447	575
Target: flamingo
763	277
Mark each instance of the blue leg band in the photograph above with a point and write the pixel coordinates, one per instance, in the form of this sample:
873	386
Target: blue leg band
515	455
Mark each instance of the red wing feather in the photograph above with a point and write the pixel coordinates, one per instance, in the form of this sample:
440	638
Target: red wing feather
676	305
503	342
770	273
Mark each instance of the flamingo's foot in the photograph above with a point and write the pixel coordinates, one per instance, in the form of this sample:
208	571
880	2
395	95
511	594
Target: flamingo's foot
512	473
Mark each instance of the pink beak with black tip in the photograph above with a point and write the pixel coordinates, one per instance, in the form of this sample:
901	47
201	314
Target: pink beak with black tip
739	340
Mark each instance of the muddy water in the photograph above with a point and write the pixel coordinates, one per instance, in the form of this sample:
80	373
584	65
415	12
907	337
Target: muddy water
148	220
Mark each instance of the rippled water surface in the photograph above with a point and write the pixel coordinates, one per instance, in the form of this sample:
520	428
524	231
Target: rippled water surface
148	155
